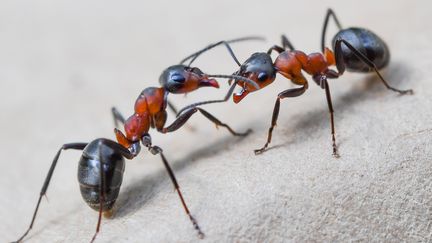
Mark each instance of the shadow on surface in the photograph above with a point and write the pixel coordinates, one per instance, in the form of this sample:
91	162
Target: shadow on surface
134	197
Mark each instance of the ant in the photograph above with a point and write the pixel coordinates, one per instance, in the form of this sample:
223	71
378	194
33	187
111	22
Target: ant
355	49
101	166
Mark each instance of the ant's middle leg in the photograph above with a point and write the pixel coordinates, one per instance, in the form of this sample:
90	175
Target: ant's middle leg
157	150
340	64
181	120
284	94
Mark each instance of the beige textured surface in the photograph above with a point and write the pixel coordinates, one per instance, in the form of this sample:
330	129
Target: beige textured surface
63	65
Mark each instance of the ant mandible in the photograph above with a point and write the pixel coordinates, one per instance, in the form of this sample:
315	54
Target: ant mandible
101	166
355	49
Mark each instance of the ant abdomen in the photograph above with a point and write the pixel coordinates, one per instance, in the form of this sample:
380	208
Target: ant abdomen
366	42
89	175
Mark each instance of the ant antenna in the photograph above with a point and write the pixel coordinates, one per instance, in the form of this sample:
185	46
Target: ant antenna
236	77
226	43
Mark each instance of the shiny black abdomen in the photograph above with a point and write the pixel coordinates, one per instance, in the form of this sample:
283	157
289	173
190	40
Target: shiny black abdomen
89	174
368	43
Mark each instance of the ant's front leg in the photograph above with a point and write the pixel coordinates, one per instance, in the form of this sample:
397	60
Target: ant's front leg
284	94
227	96
181	120
286	45
172	107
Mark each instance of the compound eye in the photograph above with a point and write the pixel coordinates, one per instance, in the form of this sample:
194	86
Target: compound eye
262	76
178	78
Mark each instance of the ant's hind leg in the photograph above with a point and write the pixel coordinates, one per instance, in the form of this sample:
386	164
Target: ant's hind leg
341	65
284	94
101	196
286	43
102	185
77	146
324	30
117	116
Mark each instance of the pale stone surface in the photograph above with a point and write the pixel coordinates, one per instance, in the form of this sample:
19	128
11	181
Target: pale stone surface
63	65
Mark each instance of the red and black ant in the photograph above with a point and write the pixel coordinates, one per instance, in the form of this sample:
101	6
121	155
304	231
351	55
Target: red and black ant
101	167
355	49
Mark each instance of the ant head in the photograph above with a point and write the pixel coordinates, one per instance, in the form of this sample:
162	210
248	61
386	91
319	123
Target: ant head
180	79
259	68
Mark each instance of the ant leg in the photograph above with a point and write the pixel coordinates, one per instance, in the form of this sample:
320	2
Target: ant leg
330	106
125	153
177	113
219	123
341	65
118	148
172	107
324	30
286	43
181	120
118	117
101	196
226	43
77	146
157	150
211	46
284	94
275	48
227	96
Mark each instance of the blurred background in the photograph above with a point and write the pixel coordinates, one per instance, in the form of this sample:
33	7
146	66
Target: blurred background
64	64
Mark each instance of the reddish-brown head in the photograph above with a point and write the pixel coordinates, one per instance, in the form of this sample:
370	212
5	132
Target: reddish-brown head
181	79
259	68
